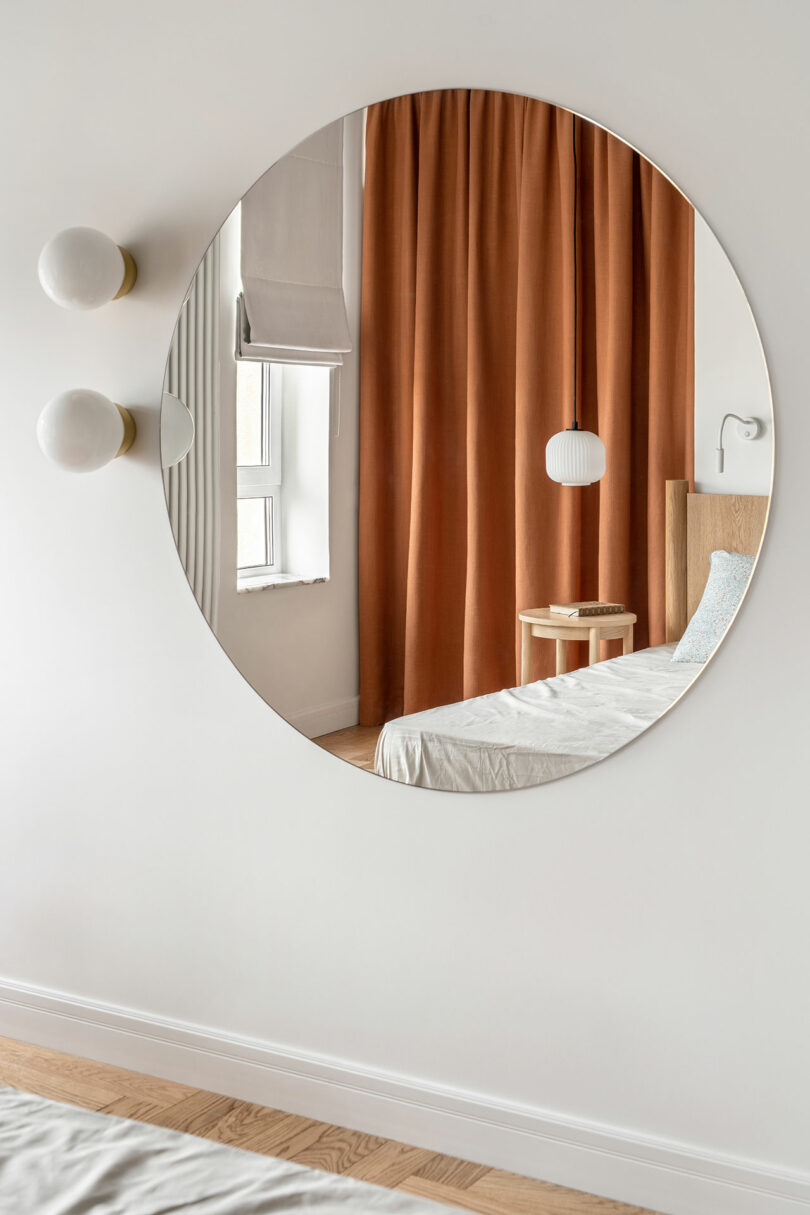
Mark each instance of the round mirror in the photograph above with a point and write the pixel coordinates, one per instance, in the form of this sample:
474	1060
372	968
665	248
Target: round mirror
479	440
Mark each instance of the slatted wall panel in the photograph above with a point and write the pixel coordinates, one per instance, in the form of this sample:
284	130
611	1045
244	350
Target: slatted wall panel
192	486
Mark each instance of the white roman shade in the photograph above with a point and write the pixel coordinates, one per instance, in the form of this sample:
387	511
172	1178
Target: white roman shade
293	308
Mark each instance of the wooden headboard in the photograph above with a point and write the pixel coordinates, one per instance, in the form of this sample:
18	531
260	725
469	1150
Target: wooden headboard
696	525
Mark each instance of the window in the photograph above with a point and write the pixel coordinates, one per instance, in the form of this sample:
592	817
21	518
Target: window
282	452
258	476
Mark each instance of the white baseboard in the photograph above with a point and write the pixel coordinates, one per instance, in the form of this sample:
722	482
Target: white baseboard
666	1176
322	719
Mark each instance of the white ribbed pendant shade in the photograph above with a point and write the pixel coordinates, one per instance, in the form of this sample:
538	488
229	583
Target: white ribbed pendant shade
575	457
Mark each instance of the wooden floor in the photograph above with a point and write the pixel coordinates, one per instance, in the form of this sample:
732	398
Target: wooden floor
355	744
111	1090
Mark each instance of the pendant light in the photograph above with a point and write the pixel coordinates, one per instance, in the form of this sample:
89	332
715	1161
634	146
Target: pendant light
574	456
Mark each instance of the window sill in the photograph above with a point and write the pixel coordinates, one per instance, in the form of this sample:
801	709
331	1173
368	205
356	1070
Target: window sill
271	582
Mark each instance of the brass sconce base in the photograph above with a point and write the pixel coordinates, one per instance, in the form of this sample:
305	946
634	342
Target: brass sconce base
129	429
130	274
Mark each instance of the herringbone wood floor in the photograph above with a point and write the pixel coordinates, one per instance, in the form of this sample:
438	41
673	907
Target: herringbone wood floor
112	1090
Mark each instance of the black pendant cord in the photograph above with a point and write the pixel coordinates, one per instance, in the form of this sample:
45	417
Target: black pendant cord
576	310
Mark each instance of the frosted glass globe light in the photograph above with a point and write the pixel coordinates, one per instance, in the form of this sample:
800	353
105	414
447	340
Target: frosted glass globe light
82	430
82	268
575	457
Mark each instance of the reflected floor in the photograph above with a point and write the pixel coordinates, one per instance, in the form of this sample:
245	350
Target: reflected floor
355	744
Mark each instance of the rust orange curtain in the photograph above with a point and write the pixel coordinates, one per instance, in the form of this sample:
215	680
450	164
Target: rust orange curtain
467	369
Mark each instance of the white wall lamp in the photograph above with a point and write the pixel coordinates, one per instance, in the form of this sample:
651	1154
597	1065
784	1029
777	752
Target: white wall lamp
574	456
747	428
82	268
81	430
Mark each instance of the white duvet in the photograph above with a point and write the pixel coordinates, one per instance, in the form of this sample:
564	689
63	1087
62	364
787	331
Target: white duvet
533	734
58	1160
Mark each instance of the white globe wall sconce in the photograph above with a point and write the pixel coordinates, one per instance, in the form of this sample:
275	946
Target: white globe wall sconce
82	430
81	268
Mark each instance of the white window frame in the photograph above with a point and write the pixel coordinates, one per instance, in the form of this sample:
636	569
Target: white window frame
264	480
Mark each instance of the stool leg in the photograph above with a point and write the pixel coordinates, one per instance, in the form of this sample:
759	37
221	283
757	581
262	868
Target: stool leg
562	657
525	652
593	646
627	640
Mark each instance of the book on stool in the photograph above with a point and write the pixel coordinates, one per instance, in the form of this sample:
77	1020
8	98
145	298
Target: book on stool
587	607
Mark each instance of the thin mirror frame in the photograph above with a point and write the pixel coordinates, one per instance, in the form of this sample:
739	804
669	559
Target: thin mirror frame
536	788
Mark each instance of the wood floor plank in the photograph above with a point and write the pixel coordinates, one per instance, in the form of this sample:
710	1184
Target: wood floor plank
292	1134
509	1194
196	1114
336	1150
244	1123
527	1197
133	1107
355	744
134	1084
389	1164
450	1171
435	1191
57	1087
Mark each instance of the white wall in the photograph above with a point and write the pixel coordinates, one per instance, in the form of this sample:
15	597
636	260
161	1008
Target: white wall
730	377
624	949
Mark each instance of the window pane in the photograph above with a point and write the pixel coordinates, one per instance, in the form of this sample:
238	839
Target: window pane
252	532
249	412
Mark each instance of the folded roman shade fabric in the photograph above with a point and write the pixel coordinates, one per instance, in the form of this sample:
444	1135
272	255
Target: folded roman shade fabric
292	256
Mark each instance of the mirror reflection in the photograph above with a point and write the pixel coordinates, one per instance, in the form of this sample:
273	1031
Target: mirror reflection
480	440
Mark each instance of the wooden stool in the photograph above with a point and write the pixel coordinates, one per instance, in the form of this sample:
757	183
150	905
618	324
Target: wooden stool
540	622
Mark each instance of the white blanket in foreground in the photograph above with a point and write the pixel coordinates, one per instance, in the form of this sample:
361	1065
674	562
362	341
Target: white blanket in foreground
526	736
58	1160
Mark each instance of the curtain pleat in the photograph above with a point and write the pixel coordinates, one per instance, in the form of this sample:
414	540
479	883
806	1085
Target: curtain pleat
467	349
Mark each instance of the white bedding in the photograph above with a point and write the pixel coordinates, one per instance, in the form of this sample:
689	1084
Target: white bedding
533	734
58	1160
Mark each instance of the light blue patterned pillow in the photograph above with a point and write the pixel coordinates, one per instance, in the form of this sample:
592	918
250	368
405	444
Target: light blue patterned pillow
725	587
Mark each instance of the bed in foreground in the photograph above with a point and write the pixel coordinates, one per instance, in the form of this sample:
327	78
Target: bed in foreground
59	1160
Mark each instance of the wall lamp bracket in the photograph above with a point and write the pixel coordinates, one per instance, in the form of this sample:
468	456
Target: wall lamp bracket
747	428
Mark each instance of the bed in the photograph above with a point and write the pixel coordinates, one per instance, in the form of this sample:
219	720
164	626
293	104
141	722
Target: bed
532	734
59	1160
